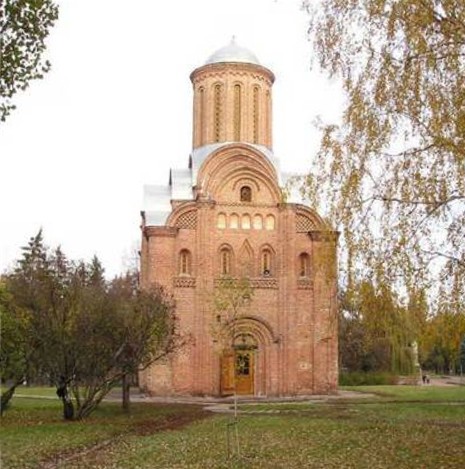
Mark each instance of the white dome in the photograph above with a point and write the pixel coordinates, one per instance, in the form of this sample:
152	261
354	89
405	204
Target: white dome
233	53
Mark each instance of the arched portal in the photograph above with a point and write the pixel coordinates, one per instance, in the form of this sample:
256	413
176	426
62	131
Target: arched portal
245	364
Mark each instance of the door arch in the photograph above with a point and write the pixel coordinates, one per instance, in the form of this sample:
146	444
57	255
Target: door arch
245	366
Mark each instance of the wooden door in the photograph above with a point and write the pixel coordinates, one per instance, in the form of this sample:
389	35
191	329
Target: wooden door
227	373
237	370
244	371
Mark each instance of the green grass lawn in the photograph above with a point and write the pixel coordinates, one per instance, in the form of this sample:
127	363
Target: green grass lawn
33	430
402	427
414	393
44	391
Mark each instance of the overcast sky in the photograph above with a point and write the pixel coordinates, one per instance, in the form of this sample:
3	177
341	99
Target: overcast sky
115	113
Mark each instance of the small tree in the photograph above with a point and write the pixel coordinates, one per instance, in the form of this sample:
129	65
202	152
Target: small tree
148	327
231	299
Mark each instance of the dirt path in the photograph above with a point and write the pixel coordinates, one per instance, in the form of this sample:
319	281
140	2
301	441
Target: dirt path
95	455
446	381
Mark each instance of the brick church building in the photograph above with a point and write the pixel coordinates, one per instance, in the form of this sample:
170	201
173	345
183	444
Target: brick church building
227	214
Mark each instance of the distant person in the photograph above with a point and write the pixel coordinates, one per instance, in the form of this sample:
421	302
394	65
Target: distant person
423	378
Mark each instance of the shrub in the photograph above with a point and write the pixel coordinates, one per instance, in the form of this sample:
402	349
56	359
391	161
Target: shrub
360	378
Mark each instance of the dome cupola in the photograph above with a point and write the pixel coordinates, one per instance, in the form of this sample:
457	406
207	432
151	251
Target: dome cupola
232	98
233	52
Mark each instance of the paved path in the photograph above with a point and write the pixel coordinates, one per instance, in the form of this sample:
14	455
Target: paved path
212	403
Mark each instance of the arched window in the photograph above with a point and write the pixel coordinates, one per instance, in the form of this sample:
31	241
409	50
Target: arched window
304	265
246	194
185	262
270	222
221	221
225	261
258	222
234	221
237	112
266	263
245	222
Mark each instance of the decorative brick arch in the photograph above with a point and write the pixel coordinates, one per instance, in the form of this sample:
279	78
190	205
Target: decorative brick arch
184	216
308	220
255	326
266	345
236	162
246	260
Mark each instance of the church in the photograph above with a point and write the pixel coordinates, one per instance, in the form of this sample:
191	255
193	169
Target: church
228	214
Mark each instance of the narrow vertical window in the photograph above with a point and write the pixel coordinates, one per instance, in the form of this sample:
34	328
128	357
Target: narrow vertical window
225	261
184	262
237	112
218	112
266	262
256	113
267	136
202	115
304	265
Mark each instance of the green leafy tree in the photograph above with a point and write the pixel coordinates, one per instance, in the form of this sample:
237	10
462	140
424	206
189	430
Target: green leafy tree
147	327
87	333
24	27
391	176
376	333
441	340
462	355
15	347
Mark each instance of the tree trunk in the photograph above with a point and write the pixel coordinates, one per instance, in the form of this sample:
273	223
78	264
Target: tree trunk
62	393
126	392
7	395
68	409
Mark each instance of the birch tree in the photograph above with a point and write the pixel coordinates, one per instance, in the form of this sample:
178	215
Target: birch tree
391	175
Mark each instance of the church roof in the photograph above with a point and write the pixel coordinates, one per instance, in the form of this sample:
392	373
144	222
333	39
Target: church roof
157	199
233	52
199	155
157	204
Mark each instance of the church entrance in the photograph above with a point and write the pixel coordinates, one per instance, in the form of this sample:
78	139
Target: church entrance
238	367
